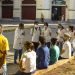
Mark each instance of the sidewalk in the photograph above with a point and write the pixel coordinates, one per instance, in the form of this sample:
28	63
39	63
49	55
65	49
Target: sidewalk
12	68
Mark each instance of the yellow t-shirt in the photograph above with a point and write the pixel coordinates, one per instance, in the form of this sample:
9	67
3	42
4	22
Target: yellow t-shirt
4	45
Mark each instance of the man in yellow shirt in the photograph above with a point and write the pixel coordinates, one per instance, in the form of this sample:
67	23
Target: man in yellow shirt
4	47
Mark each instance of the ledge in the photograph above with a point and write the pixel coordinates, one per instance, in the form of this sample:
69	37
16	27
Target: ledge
51	67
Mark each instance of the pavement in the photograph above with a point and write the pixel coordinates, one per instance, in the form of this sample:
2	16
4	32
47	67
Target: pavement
12	68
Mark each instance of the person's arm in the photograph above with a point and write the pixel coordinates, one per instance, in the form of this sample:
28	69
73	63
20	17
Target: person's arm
31	32
65	47
22	62
49	31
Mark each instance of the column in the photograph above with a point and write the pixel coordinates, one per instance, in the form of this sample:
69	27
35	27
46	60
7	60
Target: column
43	9
0	9
17	9
71	11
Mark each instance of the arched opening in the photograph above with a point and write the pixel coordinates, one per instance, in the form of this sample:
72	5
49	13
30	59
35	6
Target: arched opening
28	9
7	9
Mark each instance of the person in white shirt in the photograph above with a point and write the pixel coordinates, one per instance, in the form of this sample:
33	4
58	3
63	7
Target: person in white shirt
46	32
60	35
73	44
18	41
71	32
35	32
28	60
66	49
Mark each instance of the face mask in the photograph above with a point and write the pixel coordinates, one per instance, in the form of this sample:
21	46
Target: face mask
67	29
36	26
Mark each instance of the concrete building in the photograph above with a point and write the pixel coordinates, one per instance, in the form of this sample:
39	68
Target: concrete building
30	10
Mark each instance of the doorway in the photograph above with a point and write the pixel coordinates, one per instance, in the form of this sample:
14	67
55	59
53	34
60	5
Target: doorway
58	13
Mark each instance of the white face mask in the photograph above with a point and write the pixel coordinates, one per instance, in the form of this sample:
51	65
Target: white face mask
36	26
67	29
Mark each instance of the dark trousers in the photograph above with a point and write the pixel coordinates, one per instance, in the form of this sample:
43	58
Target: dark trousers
16	53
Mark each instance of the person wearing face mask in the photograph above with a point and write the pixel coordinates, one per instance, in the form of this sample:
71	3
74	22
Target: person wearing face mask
18	41
35	33
46	32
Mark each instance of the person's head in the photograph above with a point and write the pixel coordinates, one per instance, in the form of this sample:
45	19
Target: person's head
71	28
27	45
67	36
60	26
53	41
21	26
1	29
42	40
45	24
32	46
36	24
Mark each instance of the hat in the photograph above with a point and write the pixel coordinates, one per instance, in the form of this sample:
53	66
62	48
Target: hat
67	34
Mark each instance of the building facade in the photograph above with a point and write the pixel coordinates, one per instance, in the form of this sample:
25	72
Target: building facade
30	10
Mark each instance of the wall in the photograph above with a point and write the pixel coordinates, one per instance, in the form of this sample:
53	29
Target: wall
43	7
17	9
72	11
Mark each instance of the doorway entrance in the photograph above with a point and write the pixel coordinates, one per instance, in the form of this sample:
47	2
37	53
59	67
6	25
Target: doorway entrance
58	13
28	10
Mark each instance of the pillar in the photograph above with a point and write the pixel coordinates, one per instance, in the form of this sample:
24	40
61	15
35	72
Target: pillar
71	11
43	9
17	9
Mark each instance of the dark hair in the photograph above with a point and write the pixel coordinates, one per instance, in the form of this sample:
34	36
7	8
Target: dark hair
27	44
36	22
45	24
42	40
60	26
71	28
31	46
53	41
21	25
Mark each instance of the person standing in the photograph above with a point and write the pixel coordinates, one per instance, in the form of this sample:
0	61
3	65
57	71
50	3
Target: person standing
46	33
35	32
18	41
4	47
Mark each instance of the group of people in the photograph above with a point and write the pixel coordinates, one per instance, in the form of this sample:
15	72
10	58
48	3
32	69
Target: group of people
41	51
